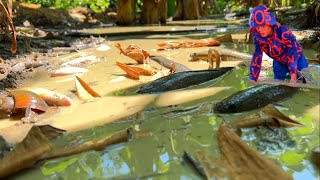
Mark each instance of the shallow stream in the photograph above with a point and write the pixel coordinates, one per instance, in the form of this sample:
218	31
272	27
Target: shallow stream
169	129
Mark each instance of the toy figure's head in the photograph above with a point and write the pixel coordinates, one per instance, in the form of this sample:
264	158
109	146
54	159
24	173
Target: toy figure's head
265	30
261	21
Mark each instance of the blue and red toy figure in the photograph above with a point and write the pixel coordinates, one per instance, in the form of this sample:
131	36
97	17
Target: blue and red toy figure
276	41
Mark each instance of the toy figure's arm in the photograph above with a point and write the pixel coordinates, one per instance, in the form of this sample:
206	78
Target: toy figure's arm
256	61
292	57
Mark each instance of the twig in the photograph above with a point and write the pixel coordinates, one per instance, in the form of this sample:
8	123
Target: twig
9	21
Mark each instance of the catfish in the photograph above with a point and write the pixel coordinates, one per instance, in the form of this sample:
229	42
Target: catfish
255	97
181	80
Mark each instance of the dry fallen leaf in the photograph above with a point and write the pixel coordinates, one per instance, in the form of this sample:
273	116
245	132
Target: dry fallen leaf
134	72
84	91
245	162
134	52
268	116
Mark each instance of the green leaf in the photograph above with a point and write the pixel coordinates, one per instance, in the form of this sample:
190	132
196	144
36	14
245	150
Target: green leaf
291	158
212	120
308	128
47	170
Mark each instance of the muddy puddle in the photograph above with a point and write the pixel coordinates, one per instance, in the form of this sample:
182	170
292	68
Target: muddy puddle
166	124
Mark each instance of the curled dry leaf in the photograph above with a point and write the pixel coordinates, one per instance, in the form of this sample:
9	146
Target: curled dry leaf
134	72
134	52
268	116
25	153
246	162
84	91
38	146
271	111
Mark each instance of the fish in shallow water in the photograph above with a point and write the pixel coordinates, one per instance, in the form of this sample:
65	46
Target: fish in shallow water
182	80
254	98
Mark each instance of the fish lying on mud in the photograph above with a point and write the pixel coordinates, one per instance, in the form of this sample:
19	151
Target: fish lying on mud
182	80
168	63
254	98
226	55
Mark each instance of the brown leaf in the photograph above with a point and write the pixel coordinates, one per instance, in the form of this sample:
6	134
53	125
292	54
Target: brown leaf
142	71
269	116
214	168
50	132
134	52
285	121
25	153
245	162
115	138
134	72
84	91
129	70
36	146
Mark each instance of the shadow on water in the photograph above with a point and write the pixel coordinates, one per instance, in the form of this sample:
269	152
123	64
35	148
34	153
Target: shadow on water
190	126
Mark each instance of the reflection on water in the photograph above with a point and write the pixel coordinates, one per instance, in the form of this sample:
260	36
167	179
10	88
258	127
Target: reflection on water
191	126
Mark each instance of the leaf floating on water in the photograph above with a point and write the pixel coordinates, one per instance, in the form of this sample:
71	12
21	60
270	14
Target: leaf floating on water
134	52
51	132
213	167
36	146
284	121
25	153
292	158
84	91
245	162
142	71
134	72
130	72
50	168
115	138
268	116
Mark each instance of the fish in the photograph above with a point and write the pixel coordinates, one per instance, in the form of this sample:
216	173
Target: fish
253	98
168	63
53	98
181	80
67	71
81	60
226	55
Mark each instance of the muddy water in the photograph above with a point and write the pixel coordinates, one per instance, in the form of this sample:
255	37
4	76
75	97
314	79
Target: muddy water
173	127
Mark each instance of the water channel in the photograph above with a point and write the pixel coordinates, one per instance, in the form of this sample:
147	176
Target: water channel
171	128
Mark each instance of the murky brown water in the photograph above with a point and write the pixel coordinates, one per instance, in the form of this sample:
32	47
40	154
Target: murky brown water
173	128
